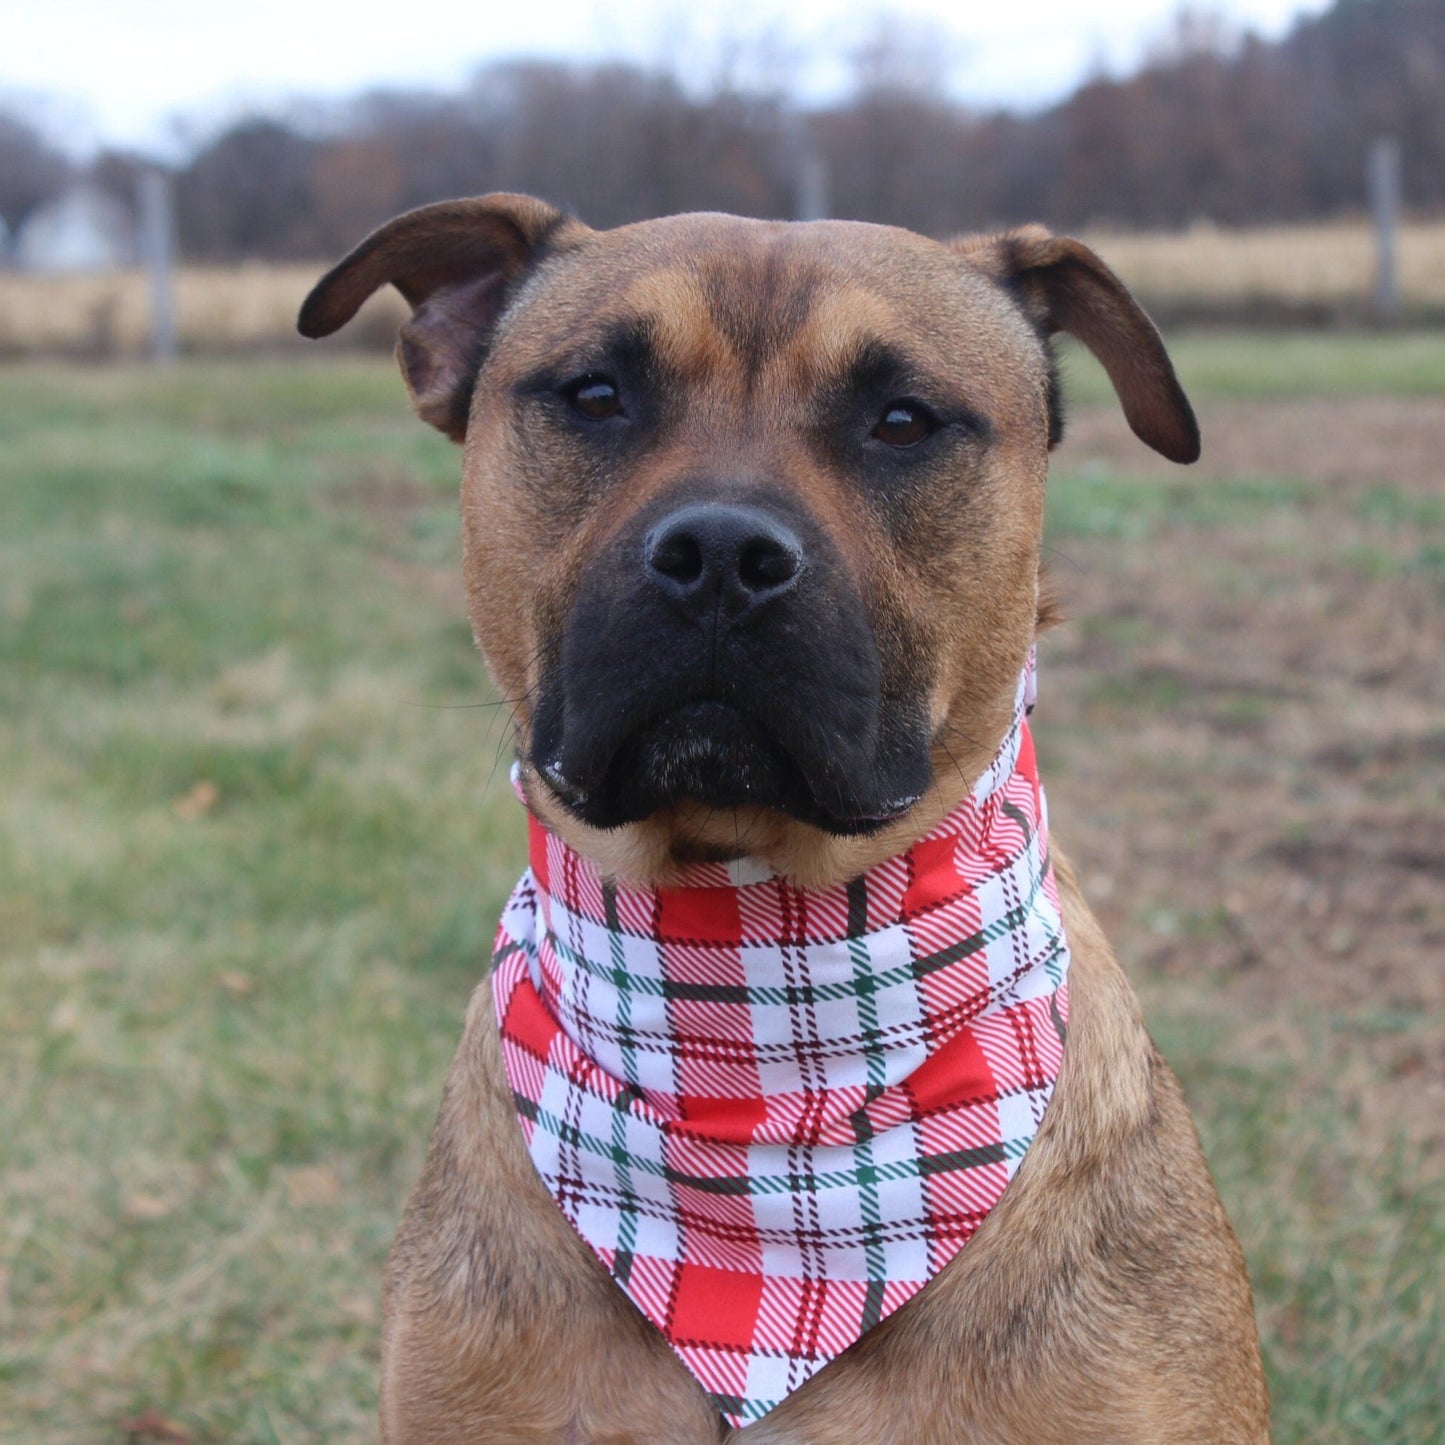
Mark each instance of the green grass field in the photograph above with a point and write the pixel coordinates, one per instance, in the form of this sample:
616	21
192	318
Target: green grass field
1223	364
254	835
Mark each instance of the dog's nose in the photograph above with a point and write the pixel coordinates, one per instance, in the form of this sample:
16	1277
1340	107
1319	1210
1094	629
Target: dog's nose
713	552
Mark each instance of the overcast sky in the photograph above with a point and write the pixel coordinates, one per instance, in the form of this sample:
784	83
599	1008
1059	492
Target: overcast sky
120	71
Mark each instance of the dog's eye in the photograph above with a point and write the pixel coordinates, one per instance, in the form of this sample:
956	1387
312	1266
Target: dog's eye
595	397
905	424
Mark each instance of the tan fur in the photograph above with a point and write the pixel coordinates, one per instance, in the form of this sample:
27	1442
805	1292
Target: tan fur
1104	1299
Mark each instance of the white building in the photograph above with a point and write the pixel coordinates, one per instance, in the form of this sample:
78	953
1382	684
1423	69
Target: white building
82	229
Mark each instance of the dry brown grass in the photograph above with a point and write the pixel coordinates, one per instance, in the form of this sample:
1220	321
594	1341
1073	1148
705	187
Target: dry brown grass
218	309
1331	266
1322	271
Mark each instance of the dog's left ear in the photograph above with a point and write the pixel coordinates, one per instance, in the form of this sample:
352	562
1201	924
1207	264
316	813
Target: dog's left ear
1063	286
456	263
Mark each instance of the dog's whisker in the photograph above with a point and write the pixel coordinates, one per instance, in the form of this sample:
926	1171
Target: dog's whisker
956	768
1064	557
496	764
953	730
512	703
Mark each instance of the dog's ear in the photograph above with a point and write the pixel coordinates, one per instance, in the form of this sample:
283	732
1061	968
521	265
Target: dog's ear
456	264
1063	286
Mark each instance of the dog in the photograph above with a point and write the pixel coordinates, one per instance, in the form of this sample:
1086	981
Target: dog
751	540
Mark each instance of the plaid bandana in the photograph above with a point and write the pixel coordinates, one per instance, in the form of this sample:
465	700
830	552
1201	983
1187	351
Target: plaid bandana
774	1113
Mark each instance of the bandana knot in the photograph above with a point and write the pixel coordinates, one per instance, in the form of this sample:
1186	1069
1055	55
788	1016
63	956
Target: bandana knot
773	1113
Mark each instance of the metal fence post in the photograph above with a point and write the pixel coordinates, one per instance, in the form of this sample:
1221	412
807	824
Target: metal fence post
1384	188
157	247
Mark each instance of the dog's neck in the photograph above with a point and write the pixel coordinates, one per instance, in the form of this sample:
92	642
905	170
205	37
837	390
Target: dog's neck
737	1089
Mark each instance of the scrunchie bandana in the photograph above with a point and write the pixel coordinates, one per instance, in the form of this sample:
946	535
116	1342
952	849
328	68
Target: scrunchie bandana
773	1113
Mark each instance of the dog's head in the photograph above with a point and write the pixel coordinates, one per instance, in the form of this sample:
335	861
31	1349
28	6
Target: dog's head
751	511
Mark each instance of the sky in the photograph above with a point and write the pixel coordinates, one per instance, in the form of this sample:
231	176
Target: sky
122	72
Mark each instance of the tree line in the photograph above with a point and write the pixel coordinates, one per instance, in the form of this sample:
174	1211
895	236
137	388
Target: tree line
1214	126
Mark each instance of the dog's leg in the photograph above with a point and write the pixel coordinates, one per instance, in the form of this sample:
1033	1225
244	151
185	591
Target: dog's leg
501	1326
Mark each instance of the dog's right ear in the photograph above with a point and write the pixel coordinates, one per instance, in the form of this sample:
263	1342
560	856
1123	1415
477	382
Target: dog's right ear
456	264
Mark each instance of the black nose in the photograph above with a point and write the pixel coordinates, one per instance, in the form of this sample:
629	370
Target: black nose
716	552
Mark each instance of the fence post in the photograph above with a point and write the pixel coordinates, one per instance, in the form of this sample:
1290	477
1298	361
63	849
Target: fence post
811	197
1384	188
157	247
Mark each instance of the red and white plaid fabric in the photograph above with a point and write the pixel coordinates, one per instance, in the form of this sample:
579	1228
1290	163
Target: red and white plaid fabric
773	1113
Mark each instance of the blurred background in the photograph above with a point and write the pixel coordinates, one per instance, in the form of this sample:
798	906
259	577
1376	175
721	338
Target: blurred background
1241	164
254	825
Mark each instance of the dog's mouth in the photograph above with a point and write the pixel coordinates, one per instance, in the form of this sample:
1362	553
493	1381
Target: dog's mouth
714	753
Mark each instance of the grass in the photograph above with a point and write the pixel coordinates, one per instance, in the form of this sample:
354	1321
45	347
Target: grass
218	309
1099	504
1344	1237
253	842
252	850
1322	268
1247	366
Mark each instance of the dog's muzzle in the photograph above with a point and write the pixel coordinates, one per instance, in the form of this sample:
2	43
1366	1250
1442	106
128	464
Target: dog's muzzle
718	650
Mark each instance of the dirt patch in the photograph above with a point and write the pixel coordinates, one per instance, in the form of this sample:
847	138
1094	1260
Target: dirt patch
1356	444
390	494
1243	727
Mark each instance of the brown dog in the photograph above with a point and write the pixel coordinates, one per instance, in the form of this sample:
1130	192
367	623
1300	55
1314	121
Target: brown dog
875	410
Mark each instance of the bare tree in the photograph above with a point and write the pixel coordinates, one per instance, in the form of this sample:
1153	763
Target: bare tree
31	169
1214	125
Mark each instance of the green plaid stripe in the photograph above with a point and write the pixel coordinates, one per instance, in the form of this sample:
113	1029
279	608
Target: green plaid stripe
627	1222
785	996
866	1170
783	1183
